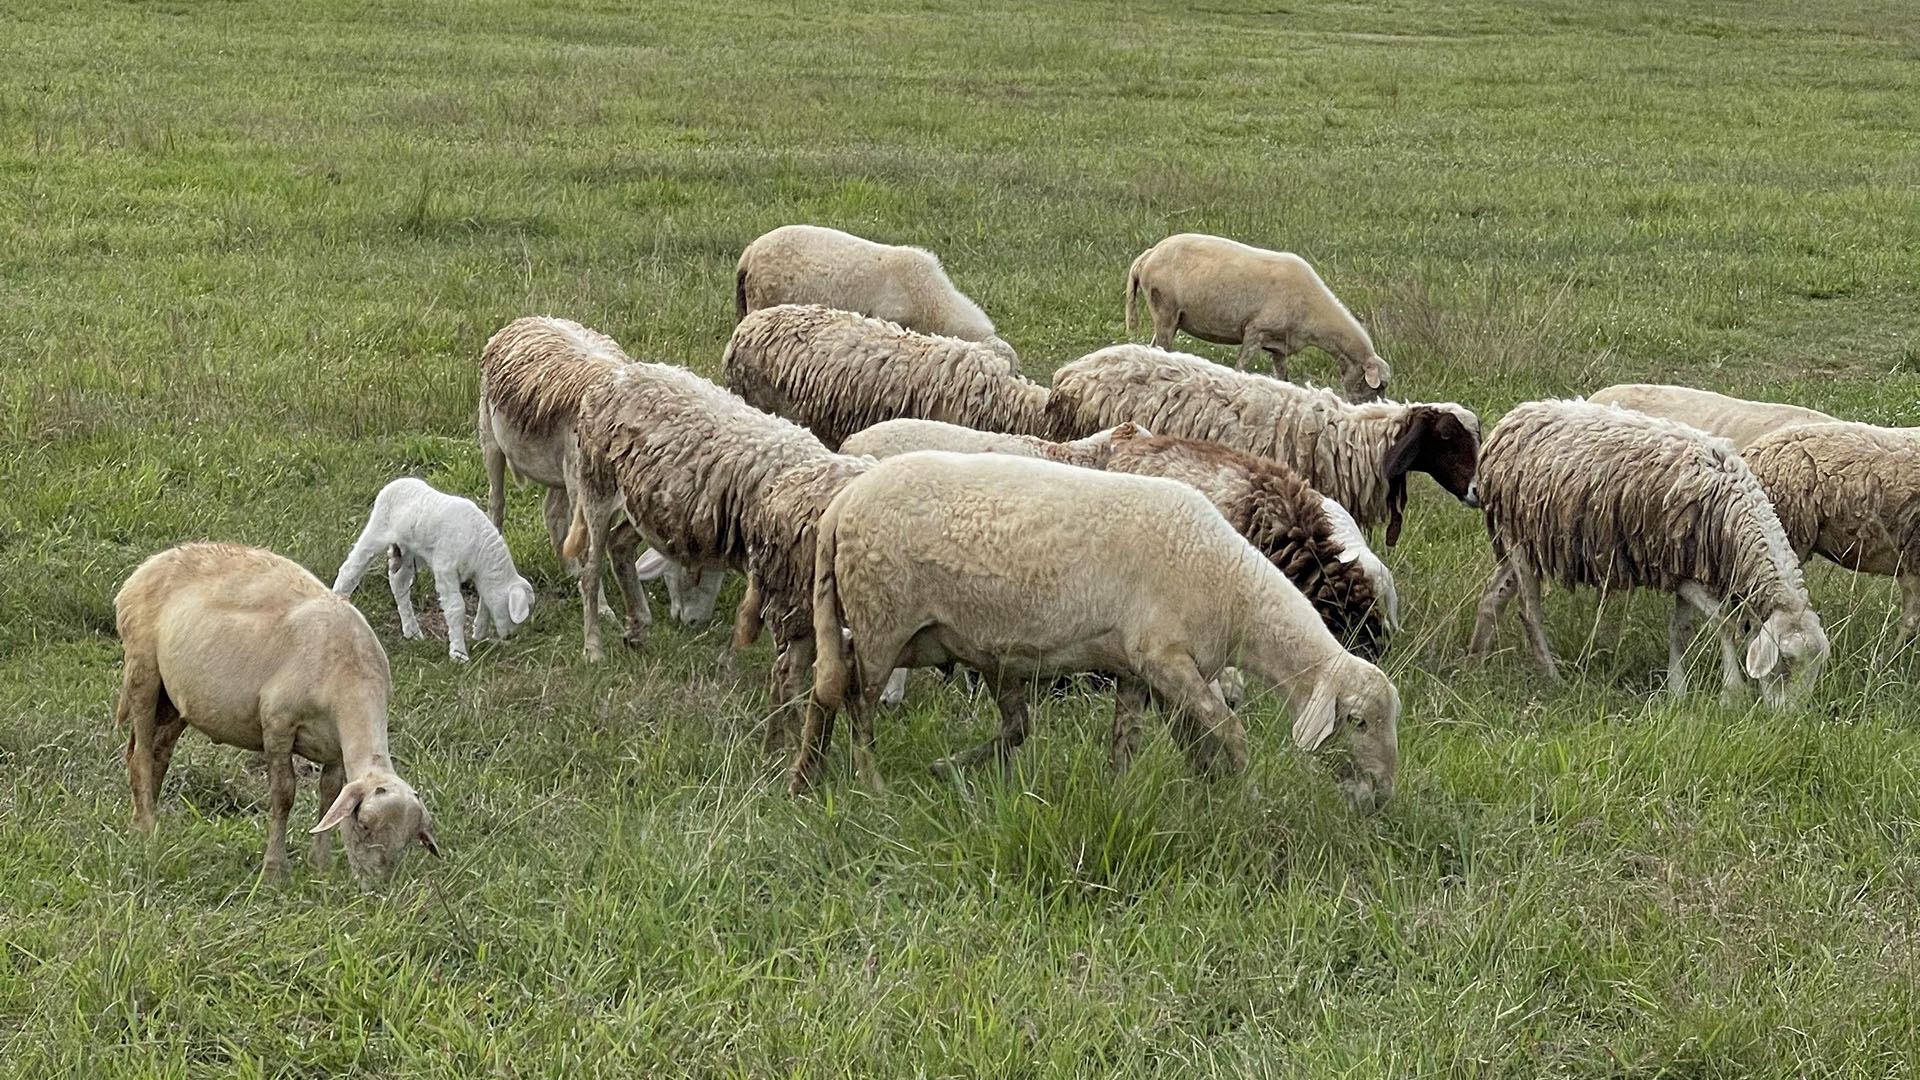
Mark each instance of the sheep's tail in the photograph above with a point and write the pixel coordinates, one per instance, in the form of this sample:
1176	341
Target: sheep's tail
739	293
832	665
574	547
1133	287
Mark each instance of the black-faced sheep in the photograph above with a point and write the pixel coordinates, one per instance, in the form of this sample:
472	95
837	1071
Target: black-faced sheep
1229	293
254	652
1596	495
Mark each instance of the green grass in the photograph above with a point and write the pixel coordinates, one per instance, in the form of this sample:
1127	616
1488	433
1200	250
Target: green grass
248	255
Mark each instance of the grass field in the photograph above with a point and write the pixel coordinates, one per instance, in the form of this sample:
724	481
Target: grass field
249	252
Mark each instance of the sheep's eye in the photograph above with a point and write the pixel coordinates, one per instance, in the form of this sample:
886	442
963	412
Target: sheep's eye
1360	726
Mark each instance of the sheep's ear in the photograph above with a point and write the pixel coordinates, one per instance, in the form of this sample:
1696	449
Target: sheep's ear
1763	654
426	837
1377	372
1127	430
651	565
520	602
1400	455
1314	722
347	804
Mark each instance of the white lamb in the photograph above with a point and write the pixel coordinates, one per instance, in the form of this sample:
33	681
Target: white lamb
412	523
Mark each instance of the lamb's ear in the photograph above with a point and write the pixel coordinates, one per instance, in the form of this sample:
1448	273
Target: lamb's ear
347	804
651	565
520	601
1376	372
1763	654
1314	722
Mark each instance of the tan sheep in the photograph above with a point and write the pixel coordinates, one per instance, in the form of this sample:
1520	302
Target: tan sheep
810	264
1601	496
1229	293
1359	455
890	438
1024	568
1735	419
1849	492
255	652
835	373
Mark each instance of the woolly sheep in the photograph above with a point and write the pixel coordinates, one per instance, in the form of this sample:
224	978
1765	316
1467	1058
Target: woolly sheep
809	264
255	652
1602	496
1359	455
1734	419
1229	293
1021	567
533	373
835	372
1849	492
412	523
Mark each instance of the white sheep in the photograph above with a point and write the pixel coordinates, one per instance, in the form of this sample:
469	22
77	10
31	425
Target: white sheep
1229	293
1358	454
836	372
533	373
810	264
255	652
1851	493
1023	568
890	438
1735	419
412	523
1601	496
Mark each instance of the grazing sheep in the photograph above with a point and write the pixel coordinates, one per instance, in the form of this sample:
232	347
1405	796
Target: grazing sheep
1359	455
835	373
808	264
1228	293
1734	419
1849	492
533	373
1303	533
1598	495
412	523
890	438
1022	567
255	652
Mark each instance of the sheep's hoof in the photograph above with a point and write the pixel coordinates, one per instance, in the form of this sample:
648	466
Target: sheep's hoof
592	654
634	639
143	825
413	633
459	655
276	868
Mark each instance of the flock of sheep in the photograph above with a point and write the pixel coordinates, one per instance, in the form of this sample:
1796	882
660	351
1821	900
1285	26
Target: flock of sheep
899	495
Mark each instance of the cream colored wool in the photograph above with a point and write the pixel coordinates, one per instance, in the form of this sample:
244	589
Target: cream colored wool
1734	419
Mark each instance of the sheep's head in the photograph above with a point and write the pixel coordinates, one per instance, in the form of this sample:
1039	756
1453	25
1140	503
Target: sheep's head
1367	380
1442	441
1366	713
1786	654
378	816
692	595
1003	350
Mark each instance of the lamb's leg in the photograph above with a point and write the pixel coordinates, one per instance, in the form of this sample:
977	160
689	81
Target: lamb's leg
368	549
623	545
1129	705
1527	584
1011	696
1909	605
332	778
400	580
278	747
1211	735
896	688
139	694
446	582
1493	601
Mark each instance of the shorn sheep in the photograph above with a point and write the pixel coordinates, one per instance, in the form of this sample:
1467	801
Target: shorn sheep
255	652
1024	568
890	438
1359	455
835	373
1849	492
412	523
1597	495
809	264
1229	293
533	373
1737	420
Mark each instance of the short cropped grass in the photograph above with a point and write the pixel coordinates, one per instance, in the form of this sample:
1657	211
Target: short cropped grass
249	252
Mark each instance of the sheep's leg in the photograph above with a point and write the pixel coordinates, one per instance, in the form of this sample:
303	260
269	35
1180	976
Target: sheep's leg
400	581
139	698
590	584
1909	605
792	669
280	790
1492	602
496	462
749	619
1209	733
1129	705
623	546
1166	322
1527	583
1010	695
1680	631
860	709
1250	349
446	582
168	727
557	508
332	778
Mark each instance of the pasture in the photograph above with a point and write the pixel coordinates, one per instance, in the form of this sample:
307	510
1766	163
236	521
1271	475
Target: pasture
249	253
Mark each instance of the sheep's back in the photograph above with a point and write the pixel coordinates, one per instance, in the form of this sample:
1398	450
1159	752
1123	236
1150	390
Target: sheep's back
1841	485
535	370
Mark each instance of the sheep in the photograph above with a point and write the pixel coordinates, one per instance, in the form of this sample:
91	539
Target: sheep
1359	455
890	438
412	523
1735	419
1602	496
809	264
533	373
1303	533
1229	293
1849	492
1020	567
255	652
835	372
